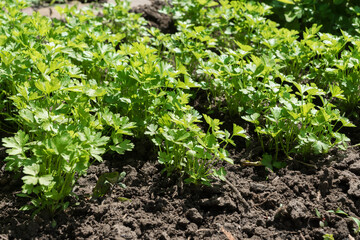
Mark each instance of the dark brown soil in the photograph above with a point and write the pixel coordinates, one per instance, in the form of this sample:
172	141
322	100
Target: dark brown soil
153	206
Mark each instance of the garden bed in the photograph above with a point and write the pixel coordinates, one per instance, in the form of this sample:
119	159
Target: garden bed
153	206
294	202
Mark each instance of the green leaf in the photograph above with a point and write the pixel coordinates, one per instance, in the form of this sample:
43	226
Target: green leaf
104	184
191	154
169	135
30	180
182	136
27	207
239	131
221	173
346	122
301	88
123	126
151	129
123	199
48	86
94	92
22	195
6	57
16	144
338	211
318	214
126	145
112	177
338	2
164	158
306	108
357	222
214	123
45	180
295	12
97	152
27	115
32	170
61	142
43	68
210	141
294	115
279	164
207	119
13	163
320	147
245	48
267	161
102	187
252	118
27	188
287	1
187	84
337	92
276	113
223	154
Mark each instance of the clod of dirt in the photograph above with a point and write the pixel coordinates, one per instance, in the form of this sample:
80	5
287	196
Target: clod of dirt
298	211
159	20
257	187
350	158
327	176
354	189
131	178
342	229
248	229
165	236
182	224
191	229
122	232
86	231
355	167
194	216
219	202
295	210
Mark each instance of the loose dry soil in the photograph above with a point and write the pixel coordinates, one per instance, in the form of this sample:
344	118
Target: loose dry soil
154	206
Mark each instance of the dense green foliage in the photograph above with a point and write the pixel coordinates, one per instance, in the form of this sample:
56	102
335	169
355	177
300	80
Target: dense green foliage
333	15
268	76
78	89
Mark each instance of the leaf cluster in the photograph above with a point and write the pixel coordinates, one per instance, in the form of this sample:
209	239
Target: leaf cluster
274	78
334	15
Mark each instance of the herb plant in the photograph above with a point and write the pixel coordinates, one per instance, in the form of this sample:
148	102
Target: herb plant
76	89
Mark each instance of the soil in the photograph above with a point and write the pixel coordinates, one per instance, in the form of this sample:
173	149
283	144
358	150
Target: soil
159	20
281	205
